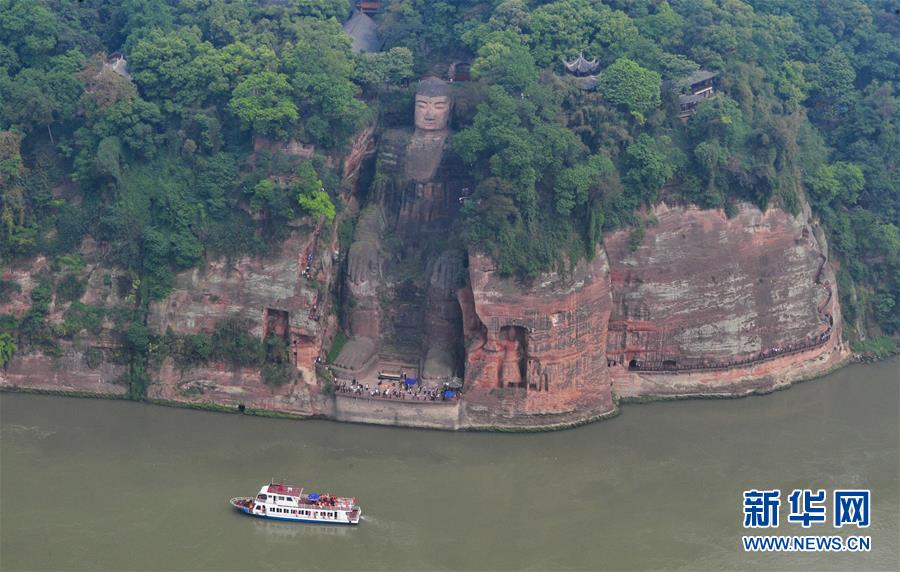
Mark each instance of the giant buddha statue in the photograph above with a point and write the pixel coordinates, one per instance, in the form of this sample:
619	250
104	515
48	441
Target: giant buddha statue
406	256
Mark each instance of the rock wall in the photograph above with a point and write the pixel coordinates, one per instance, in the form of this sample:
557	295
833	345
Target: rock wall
536	356
222	385
284	294
67	372
712	305
82	362
705	305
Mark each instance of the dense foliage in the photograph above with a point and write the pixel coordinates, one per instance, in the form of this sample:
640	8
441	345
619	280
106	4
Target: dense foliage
172	164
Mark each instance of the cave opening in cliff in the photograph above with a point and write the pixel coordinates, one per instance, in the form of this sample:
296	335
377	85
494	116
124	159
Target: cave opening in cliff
633	363
513	345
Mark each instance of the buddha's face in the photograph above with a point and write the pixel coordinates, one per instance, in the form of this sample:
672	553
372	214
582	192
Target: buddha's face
432	112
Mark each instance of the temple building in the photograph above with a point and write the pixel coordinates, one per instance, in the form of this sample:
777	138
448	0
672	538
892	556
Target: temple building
692	90
117	63
369	6
580	66
460	71
583	69
363	31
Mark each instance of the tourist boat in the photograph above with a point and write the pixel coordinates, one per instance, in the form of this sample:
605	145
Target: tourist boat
278	501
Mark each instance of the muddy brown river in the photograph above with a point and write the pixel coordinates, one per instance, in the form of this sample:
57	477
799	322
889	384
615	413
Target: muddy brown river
106	485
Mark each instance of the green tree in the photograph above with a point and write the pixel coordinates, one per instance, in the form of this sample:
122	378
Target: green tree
317	203
573	184
161	65
567	27
627	83
504	60
841	181
320	68
28	28
393	66
263	102
322	9
648	166
311	195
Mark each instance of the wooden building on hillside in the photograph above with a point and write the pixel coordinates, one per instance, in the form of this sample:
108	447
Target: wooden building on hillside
694	89
460	71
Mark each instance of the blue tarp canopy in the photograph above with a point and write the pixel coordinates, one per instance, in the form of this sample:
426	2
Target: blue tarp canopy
410	381
313	496
448	394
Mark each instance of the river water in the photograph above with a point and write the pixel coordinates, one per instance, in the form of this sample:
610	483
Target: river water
107	485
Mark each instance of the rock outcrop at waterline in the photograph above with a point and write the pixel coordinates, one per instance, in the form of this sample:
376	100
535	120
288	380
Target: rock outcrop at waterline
277	296
536	355
708	305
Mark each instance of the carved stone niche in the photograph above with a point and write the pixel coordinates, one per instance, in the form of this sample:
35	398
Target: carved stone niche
512	345
278	324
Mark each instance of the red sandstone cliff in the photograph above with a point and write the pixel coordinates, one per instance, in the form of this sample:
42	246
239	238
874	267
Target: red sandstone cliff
535	356
708	304
82	362
278	296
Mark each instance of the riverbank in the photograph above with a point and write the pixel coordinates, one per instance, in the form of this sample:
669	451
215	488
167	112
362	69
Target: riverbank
452	415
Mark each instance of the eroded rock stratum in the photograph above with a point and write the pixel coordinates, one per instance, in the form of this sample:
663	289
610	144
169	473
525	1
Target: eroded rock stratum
705	305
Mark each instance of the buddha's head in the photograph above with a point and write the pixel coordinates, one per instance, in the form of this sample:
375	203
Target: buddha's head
432	104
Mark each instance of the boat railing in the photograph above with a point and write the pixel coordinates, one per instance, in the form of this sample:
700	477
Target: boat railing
321	507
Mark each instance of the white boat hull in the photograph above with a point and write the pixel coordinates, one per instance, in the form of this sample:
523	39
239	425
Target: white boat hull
316	515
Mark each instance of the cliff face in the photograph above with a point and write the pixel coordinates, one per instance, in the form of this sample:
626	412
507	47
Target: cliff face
84	362
285	293
711	304
536	356
278	296
705	305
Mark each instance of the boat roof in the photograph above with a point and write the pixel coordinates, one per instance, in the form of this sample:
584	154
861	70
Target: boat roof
282	489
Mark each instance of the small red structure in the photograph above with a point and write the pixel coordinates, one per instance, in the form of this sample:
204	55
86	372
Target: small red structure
460	71
369	6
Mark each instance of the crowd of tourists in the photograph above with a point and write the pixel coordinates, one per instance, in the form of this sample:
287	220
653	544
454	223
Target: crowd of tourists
396	390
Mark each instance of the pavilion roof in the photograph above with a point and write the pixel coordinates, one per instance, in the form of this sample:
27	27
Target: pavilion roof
581	65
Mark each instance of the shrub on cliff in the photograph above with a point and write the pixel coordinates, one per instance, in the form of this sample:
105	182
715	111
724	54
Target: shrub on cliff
7	349
233	343
278	374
